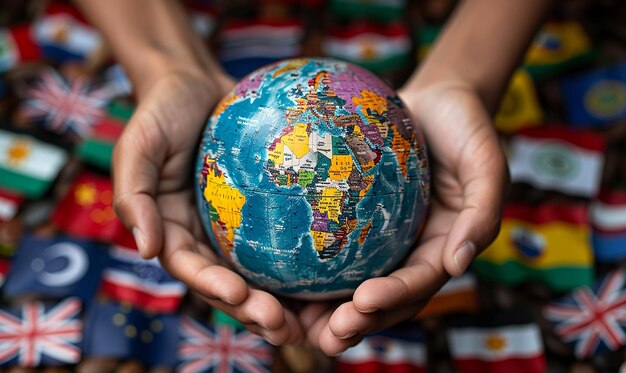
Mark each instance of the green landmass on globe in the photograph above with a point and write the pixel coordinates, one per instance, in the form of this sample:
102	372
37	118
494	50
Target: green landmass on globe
311	178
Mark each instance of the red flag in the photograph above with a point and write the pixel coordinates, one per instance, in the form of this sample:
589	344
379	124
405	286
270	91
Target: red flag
87	211
9	204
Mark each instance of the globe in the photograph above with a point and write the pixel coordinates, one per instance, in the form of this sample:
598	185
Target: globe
311	178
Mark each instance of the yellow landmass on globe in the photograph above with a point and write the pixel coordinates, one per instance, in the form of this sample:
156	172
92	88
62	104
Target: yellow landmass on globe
297	140
224	104
278	154
402	148
372	101
228	202
340	167
330	203
290	66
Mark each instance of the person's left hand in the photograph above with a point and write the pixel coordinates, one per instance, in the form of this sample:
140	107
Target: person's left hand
469	179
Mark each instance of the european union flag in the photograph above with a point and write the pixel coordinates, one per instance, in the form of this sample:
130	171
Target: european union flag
56	267
119	331
597	98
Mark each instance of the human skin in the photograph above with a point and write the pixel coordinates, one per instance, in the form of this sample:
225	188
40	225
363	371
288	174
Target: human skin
451	98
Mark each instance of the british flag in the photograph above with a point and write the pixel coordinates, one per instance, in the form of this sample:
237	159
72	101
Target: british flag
222	349
39	335
65	105
593	320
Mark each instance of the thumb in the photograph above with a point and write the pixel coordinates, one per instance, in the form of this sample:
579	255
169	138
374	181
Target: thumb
135	170
478	223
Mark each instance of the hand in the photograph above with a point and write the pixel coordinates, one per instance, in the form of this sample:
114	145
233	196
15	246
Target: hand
154	197
469	178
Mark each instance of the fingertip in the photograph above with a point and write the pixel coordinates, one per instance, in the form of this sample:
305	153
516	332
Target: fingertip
346	322
333	346
380	293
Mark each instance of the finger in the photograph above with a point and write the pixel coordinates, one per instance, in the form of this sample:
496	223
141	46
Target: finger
259	307
180	258
333	346
478	222
314	330
137	158
289	333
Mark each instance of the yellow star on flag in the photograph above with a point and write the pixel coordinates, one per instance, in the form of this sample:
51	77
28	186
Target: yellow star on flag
85	194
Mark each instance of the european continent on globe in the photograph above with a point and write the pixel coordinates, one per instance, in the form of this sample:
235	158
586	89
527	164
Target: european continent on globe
311	178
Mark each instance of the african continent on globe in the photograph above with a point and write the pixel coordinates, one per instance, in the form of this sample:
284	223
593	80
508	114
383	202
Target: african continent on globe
311	178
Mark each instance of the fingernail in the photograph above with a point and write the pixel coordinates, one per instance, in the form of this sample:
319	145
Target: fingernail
349	335
464	256
139	239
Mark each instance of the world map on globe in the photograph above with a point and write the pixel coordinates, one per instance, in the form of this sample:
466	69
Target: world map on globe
311	178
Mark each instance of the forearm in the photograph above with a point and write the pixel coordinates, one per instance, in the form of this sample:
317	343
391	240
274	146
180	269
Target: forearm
481	45
150	37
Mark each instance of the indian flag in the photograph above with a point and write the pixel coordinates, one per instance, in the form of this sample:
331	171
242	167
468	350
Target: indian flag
374	47
557	47
519	107
608	220
64	34
515	348
559	159
548	243
27	165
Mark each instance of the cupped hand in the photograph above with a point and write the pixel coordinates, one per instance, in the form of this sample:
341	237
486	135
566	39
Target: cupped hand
469	180
154	197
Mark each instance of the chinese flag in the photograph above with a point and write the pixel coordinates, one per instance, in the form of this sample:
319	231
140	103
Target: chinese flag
87	211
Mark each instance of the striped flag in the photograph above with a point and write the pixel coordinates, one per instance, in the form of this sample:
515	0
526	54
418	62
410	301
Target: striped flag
144	283
380	10
97	149
507	341
608	220
248	45
9	204
548	243
592	318
519	107
557	158
64	35
377	48
558	46
28	166
396	350
458	295
596	98
17	47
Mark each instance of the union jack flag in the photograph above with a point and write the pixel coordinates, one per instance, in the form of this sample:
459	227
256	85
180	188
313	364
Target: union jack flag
222	349
65	105
41	335
593	320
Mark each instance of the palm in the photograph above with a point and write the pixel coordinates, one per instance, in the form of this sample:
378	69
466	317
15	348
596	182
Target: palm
469	176
154	195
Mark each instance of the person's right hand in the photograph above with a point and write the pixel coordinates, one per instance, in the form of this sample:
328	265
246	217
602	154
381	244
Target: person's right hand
154	197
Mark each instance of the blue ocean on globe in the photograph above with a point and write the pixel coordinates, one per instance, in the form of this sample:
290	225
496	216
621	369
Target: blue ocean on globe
311	178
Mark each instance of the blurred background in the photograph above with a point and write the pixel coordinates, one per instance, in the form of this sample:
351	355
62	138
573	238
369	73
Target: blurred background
549	295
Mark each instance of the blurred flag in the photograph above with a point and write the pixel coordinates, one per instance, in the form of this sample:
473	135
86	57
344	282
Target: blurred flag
121	110
5	265
56	267
557	47
397	350
63	105
117	82
558	158
115	330
608	220
508	341
37	335
203	17
596	98
458	295
380	10
9	204
549	243
221	349
97	148
17	47
28	166
143	283
248	45
375	47
64	35
87	211
591	319
519	107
